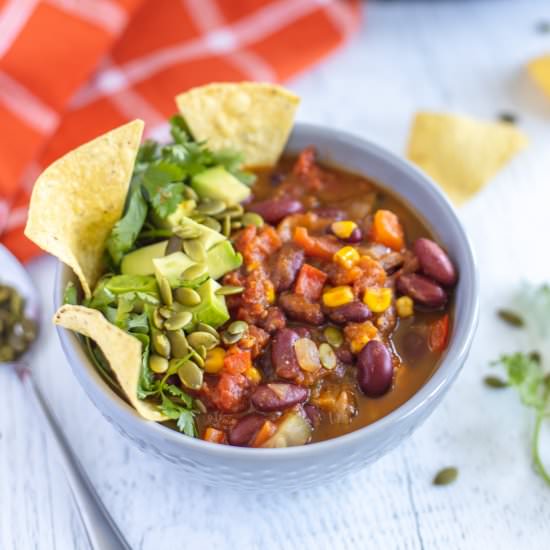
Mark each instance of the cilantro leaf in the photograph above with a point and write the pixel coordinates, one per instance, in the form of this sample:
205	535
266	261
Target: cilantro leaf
162	182
126	230
185	418
70	295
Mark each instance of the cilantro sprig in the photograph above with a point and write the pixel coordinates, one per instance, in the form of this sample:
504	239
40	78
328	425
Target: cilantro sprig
528	371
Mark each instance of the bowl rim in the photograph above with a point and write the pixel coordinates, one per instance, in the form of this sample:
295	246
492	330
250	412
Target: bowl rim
449	367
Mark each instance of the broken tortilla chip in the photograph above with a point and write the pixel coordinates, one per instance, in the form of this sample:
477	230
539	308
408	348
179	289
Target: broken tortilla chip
460	153
88	187
250	117
539	71
122	351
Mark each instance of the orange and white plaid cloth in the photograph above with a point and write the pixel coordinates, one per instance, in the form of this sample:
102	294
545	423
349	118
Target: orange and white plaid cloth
72	69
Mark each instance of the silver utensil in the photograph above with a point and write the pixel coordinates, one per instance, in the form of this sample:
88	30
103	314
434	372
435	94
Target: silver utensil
101	530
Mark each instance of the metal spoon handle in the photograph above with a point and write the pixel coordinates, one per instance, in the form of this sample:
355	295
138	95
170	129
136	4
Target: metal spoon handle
102	532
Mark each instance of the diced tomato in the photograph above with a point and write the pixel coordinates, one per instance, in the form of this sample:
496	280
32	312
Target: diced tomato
264	433
439	334
315	246
231	393
237	361
213	435
387	230
310	282
306	168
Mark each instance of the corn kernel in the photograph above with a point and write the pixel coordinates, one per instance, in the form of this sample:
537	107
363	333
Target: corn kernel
269	291
359	335
347	257
343	229
214	360
338	296
253	374
378	299
404	306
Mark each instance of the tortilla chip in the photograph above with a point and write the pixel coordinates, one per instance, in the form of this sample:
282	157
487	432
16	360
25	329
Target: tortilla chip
77	200
122	350
253	118
539	71
460	153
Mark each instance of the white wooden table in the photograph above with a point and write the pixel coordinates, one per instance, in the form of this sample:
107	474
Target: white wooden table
463	56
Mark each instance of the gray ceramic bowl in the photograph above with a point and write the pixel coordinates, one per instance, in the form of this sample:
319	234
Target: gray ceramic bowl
297	467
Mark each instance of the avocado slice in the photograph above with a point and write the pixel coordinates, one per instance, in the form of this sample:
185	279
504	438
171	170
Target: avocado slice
212	310
172	266
221	259
183	209
207	236
218	183
140	261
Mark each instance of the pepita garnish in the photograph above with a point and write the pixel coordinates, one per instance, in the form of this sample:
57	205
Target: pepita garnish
510	317
195	356
226	226
212	223
187	297
200	338
237	327
165	312
190	375
161	344
158	319
165	290
187	232
194	272
445	476
178	343
251	218
211	207
229	338
333	336
178	320
327	356
194	248
228	290
202	351
207	328
236	225
158	364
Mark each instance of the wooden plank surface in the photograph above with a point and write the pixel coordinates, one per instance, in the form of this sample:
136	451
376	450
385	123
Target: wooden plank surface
460	56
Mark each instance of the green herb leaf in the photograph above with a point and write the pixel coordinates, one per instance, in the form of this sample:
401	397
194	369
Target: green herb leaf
126	230
70	295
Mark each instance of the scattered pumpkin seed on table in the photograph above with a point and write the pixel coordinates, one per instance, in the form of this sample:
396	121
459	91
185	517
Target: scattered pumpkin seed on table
446	476
495	382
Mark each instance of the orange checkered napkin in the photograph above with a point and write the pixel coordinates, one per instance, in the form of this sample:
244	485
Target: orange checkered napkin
72	69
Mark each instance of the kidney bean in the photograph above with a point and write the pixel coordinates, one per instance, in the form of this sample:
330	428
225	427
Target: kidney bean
413	346
285	268
300	309
313	415
374	369
283	357
278	396
245	429
354	312
422	290
434	261
274	320
274	210
344	355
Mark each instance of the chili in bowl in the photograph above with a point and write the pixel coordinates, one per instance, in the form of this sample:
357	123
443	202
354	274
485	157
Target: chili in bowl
313	324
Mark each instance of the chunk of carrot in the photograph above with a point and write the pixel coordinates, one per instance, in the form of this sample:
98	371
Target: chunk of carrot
314	246
310	282
439	334
387	230
214	435
264	433
237	361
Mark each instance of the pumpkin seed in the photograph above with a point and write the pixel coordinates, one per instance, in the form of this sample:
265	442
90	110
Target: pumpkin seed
194	272
203	327
195	356
178	343
178	320
495	382
327	356
202	351
165	290
333	336
446	476
237	327
161	344
187	231
195	250
158	319
165	312
187	297
190	375
158	364
229	338
212	223
200	338
190	193
234	211
228	290
196	217
236	225
226	226
510	317
251	218
201	407
211	207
